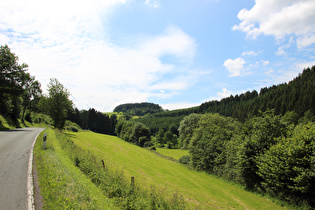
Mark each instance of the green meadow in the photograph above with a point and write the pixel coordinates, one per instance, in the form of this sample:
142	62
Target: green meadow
172	153
199	190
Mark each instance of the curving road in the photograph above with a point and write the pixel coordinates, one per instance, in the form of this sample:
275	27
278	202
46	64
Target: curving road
15	149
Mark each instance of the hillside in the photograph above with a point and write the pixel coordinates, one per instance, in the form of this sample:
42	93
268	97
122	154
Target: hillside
298	95
139	109
200	190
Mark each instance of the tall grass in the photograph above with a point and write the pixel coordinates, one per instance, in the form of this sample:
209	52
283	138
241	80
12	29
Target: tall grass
62	185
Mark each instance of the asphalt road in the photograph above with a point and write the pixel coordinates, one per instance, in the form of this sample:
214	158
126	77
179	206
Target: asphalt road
15	149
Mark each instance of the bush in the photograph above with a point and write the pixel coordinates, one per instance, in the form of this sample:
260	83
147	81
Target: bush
185	159
148	144
153	148
71	126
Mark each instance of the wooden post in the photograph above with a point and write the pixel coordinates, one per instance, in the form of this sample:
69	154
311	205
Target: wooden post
103	164
133	181
44	139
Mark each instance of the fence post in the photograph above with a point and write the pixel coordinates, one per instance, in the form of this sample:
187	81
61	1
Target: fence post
103	164
132	181
44	139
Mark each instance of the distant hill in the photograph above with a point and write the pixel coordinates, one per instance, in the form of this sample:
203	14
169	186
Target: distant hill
297	95
139	109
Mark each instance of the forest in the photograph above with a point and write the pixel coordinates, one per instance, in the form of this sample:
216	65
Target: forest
139	109
297	95
266	153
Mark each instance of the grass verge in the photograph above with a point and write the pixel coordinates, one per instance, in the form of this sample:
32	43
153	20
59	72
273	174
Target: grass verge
62	185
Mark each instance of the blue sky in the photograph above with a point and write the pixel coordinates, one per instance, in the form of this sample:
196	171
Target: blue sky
177	53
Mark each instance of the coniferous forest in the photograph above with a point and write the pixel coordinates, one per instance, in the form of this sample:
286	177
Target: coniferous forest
297	95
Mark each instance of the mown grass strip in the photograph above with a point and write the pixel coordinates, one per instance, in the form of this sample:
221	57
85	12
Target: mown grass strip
173	153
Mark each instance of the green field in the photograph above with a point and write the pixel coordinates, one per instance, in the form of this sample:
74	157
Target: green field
200	190
172	153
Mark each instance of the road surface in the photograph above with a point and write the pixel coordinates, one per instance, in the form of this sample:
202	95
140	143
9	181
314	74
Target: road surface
15	149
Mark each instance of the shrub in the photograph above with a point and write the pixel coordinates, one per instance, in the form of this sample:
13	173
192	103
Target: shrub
71	126
185	159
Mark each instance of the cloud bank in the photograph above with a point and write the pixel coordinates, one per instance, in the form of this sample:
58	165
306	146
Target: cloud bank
280	19
70	41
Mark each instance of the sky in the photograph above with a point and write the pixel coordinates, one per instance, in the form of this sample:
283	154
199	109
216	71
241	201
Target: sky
175	53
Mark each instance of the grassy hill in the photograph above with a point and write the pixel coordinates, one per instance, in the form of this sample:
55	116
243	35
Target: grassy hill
200	190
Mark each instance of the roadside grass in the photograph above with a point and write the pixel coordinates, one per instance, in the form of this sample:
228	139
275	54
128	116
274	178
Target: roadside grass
73	178
173	153
62	185
4	125
199	189
7	124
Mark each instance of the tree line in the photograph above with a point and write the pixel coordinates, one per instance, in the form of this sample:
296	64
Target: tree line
298	95
94	120
266	153
21	98
17	87
139	109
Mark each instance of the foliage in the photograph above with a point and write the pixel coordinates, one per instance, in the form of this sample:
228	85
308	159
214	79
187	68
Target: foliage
139	109
58	103
298	95
17	87
288	167
207	145
185	159
71	126
40	118
133	132
94	121
186	129
262	133
156	123
265	153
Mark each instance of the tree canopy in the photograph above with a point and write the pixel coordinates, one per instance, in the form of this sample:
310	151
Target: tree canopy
58	104
17	86
139	109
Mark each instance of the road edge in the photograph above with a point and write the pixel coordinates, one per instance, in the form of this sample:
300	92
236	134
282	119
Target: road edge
30	184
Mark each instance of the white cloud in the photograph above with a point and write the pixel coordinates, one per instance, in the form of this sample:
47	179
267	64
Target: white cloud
251	53
265	63
235	67
280	18
173	42
152	3
225	93
69	41
180	105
